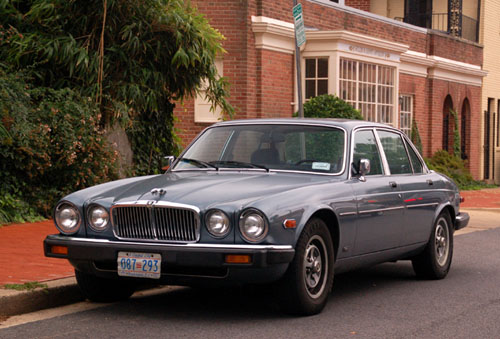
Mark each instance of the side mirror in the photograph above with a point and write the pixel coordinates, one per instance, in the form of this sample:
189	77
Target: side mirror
363	168
167	162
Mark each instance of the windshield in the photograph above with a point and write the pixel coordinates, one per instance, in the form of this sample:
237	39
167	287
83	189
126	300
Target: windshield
269	147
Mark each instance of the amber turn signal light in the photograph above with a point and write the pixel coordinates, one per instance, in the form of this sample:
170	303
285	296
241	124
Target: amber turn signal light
238	259
59	250
290	223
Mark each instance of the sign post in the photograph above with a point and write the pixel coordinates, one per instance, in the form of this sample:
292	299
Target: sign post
300	39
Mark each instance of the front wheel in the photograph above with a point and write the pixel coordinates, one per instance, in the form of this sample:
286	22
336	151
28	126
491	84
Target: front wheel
435	261
103	290
305	288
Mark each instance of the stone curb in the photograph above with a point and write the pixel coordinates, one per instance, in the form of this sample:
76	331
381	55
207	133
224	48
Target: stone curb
58	293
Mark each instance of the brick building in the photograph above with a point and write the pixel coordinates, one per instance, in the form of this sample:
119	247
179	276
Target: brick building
393	71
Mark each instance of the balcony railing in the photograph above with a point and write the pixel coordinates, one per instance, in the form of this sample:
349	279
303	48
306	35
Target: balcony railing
463	26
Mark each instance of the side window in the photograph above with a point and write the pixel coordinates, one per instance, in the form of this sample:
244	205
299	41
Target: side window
395	152
365	147
415	161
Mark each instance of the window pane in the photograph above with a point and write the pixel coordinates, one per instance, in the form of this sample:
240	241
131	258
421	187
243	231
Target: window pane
322	68
310	89
369	84
322	87
395	152
310	68
365	147
415	161
406	114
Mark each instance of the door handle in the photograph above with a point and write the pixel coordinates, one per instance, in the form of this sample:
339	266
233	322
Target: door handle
430	182
393	184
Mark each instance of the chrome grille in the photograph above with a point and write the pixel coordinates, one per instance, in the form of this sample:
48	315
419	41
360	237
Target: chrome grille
155	223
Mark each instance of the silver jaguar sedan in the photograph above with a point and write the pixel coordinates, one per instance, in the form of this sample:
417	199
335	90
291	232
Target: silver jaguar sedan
288	202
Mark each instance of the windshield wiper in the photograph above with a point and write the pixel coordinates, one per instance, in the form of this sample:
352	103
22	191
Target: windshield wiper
239	163
199	162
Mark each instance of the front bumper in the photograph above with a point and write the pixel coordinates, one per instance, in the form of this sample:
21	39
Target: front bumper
461	220
98	256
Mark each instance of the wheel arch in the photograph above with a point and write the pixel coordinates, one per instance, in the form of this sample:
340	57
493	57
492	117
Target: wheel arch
451	212
331	221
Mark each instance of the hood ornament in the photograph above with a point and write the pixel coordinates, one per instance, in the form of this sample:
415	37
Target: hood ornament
159	191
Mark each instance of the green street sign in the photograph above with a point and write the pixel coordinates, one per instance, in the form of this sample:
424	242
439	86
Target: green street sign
298	19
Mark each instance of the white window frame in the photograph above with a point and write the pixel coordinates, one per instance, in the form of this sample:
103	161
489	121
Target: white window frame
371	99
316	78
406	113
202	112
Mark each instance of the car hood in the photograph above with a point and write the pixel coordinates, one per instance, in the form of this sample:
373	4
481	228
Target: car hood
205	189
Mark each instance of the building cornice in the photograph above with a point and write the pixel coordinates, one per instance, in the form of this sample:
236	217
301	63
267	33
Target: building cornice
278	36
360	39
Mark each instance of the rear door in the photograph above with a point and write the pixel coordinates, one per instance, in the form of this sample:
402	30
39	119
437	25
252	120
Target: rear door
421	197
380	207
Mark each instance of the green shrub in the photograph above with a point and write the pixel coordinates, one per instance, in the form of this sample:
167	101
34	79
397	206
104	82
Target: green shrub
51	145
330	106
455	168
415	136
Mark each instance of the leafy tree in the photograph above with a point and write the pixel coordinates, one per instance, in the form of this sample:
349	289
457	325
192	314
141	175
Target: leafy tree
330	106
50	145
133	58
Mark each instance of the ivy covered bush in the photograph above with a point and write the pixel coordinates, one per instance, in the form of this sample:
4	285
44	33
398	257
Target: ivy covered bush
50	145
330	106
455	168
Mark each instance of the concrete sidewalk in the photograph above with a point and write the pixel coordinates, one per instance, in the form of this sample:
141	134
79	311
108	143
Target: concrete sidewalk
22	259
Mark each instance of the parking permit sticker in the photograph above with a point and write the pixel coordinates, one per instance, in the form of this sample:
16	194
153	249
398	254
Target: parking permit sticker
324	166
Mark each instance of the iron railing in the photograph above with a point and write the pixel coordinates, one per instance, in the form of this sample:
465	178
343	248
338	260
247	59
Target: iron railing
464	27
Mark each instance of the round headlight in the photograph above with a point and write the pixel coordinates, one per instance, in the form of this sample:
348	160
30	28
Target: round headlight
217	223
67	218
253	226
98	218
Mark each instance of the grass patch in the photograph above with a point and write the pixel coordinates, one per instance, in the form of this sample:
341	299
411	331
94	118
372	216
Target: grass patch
28	286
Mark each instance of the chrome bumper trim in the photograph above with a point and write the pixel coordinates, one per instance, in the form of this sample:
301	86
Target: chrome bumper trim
189	245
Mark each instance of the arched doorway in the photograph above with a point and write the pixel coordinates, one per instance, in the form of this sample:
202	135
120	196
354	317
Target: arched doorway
448	124
464	116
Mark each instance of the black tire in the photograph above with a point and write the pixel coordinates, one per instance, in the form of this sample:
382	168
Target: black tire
435	261
103	290
305	288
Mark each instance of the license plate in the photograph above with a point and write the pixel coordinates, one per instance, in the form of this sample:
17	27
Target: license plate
139	265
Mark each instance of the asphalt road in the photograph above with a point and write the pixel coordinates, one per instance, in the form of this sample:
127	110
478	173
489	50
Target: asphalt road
385	301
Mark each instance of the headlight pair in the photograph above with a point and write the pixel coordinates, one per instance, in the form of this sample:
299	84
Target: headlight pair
253	225
68	218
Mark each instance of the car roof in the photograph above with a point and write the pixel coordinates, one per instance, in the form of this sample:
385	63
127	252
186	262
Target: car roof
347	124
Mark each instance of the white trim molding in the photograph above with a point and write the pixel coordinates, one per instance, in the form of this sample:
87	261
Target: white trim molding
274	35
277	35
435	67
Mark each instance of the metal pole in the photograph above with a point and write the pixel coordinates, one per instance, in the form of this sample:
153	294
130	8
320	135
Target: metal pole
299	76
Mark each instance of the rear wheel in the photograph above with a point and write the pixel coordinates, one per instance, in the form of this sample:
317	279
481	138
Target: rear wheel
103	290
435	261
305	288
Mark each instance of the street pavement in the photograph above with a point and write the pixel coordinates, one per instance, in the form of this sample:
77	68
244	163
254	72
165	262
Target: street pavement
385	301
22	259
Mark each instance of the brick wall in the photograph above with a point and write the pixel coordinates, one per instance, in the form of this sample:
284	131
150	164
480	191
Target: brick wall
416	86
364	5
262	81
327	18
232	19
276	88
437	91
